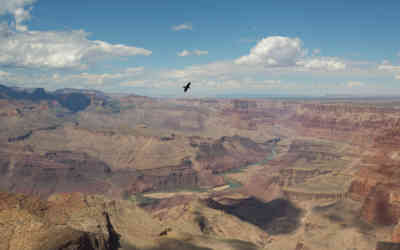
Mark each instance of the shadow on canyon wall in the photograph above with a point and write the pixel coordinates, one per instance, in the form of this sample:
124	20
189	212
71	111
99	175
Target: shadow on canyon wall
275	217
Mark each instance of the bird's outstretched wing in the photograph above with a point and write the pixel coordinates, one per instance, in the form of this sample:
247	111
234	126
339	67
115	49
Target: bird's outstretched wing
186	87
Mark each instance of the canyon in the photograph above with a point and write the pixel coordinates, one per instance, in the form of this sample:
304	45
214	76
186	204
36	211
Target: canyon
135	172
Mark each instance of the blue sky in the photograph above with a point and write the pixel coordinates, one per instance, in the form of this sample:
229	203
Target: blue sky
223	47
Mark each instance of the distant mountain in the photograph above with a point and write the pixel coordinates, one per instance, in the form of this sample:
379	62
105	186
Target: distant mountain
92	92
74	101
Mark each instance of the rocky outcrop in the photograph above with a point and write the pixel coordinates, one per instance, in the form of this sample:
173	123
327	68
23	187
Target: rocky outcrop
300	195
294	176
376	185
231	152
396	233
382	205
26	224
300	246
54	172
345	122
166	178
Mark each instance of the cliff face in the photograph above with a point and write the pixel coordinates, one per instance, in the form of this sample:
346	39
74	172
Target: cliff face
26	224
346	122
166	178
212	157
382	204
376	185
396	233
76	221
54	172
231	152
376	130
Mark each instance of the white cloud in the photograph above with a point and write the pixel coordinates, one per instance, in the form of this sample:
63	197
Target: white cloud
286	52
274	51
352	84
9	6
184	53
20	16
194	52
17	9
329	64
55	49
397	77
183	26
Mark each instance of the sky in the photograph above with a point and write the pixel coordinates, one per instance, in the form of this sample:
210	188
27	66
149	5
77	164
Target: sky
223	47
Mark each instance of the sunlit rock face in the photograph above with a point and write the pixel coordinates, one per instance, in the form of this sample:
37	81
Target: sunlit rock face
346	122
53	172
30	223
382	205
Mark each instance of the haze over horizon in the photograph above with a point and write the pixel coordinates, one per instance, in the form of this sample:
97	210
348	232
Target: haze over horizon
225	48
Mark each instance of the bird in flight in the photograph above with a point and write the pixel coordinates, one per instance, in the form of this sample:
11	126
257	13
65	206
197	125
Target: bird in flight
186	87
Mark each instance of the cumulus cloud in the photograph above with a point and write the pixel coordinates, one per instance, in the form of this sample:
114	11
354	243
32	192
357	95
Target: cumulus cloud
183	26
21	15
194	52
16	8
57	49
274	51
278	51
